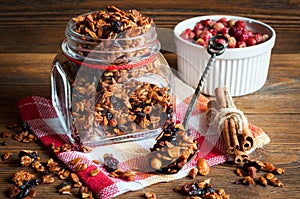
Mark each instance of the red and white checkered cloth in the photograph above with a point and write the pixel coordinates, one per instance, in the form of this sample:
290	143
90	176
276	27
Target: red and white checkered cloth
40	115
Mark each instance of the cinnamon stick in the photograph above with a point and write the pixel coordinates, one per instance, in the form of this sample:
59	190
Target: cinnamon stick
240	157
226	137
220	98
247	136
233	135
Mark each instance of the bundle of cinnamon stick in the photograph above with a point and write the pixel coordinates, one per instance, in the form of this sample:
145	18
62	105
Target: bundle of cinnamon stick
232	125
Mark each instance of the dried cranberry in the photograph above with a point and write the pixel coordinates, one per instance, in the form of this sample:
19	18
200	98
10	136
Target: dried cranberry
110	163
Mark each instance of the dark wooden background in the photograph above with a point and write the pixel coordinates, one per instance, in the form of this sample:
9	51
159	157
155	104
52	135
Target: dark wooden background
31	33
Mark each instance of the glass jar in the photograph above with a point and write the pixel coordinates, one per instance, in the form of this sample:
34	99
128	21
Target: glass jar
114	89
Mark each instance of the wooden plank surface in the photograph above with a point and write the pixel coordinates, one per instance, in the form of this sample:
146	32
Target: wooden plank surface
31	33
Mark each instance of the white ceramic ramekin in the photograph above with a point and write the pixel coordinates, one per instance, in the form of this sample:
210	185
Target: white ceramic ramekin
241	70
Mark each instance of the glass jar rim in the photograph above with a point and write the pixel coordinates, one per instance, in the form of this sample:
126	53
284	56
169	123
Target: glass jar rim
71	31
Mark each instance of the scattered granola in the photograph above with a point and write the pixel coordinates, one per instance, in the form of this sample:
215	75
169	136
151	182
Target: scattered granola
250	173
201	189
172	150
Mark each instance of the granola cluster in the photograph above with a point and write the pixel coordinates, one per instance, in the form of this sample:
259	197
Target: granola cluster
174	147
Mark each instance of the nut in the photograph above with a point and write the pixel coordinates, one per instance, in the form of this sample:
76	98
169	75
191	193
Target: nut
94	172
80	167
269	176
156	163
240	172
268	167
276	182
75	161
47	179
193	173
279	171
5	156
263	181
247	180
150	195
203	166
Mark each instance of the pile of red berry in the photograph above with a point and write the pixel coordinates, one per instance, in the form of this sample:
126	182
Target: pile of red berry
235	30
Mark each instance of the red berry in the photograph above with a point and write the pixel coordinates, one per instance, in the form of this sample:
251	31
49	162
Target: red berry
265	37
236	32
198	26
223	20
213	31
231	23
225	31
241	44
221	41
206	35
251	41
259	38
240	24
201	42
219	26
231	42
243	37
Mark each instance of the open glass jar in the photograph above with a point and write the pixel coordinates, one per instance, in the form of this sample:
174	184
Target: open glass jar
110	83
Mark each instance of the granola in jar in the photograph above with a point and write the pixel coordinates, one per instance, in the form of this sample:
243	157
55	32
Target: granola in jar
110	83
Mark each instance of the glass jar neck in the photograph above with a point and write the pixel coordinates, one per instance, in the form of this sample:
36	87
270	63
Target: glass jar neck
122	49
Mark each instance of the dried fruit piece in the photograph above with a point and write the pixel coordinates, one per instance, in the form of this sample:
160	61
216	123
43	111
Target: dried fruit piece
203	166
252	172
110	163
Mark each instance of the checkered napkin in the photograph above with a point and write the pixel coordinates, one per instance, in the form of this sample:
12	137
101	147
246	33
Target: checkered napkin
40	115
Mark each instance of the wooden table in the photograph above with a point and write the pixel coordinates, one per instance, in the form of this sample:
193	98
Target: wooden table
31	33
